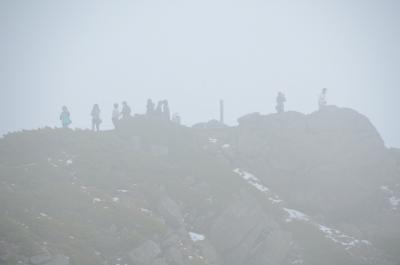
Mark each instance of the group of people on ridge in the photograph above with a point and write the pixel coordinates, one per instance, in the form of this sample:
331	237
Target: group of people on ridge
281	99
162	111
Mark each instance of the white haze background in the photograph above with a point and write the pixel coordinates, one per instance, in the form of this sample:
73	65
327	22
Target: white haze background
78	53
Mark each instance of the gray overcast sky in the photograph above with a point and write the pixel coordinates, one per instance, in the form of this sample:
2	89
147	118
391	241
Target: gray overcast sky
194	52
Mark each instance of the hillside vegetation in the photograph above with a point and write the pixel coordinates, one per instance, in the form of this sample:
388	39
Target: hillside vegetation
277	189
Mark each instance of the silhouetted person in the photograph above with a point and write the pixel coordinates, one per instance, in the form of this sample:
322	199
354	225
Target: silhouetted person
115	115
96	118
65	117
150	107
280	102
176	118
159	109
322	99
165	110
126	110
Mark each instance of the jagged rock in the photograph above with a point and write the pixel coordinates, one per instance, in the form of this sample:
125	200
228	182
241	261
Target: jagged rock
330	165
212	124
174	256
58	260
160	262
171	212
273	249
40	259
237	230
8	251
209	252
171	239
145	254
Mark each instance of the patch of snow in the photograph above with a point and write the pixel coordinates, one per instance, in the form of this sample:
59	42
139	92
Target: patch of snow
385	188
259	187
226	146
394	201
340	238
335	235
296	215
123	191
196	237
144	210
245	175
115	199
69	162
213	140
273	200
95	200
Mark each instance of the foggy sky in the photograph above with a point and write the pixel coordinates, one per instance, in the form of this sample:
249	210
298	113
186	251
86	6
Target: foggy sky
78	53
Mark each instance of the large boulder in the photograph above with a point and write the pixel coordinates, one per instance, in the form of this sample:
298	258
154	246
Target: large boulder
145	254
171	212
237	232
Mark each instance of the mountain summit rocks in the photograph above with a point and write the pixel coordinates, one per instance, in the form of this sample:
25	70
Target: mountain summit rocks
278	189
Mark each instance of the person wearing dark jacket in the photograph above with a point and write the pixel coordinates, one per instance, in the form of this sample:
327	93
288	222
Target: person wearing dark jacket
126	110
280	103
150	107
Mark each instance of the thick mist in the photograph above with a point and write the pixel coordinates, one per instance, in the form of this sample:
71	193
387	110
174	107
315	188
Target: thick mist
78	53
199	132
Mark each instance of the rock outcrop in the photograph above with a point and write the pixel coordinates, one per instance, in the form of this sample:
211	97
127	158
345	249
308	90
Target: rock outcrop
277	189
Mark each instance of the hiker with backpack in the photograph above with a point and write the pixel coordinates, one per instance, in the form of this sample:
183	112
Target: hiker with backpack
65	117
126	110
96	118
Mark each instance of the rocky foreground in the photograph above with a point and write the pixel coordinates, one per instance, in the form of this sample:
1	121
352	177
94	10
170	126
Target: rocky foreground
278	189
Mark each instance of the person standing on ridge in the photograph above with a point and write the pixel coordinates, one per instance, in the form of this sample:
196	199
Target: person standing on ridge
176	118
280	103
159	109
65	117
126	110
165	110
150	107
115	115
322	99
96	118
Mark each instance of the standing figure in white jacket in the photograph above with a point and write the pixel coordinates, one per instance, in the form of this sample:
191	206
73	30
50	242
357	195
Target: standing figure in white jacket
322	99
115	115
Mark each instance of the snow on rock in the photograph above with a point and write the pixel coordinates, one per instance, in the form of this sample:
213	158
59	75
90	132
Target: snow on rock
340	238
50	160
226	146
394	201
43	215
146	211
69	162
392	197
96	200
196	237
256	183
296	215
115	199
213	140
